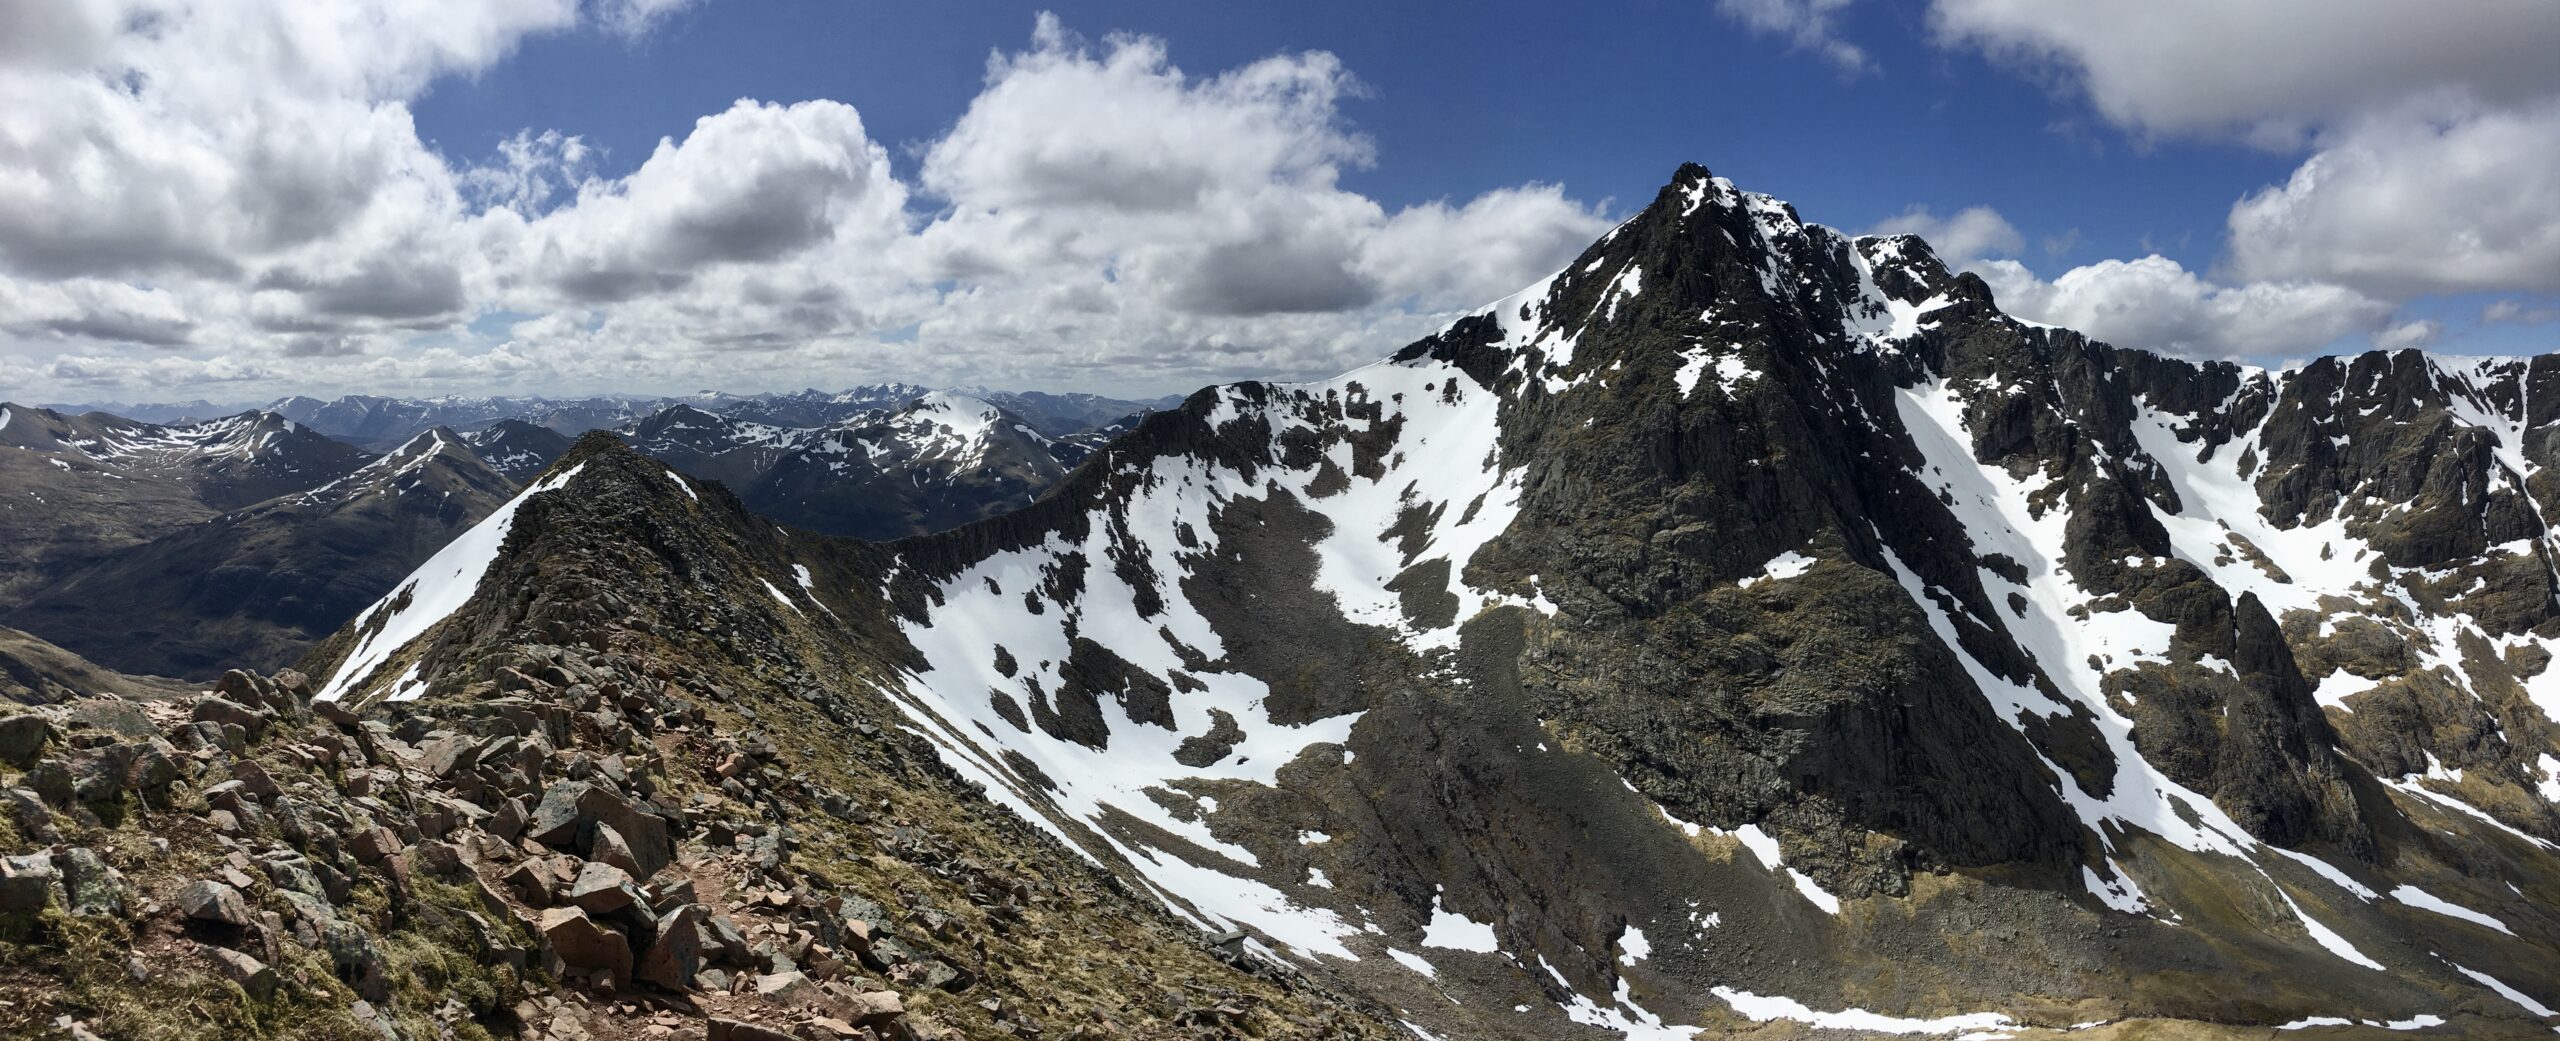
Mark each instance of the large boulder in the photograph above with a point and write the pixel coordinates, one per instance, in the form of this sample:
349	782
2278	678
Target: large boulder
22	738
222	711
215	902
446	753
582	942
877	1008
676	957
571	813
373	844
725	1029
92	886
603	889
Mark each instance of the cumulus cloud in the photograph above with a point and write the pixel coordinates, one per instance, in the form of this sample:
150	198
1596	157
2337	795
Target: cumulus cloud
248	168
2156	303
1220	194
94	309
1461	256
2153	303
1805	23
2406	335
2428	135
1974	234
2271	68
201	194
753	184
2401	204
1108	205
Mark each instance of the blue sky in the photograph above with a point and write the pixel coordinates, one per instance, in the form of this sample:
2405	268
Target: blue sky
1604	99
527	196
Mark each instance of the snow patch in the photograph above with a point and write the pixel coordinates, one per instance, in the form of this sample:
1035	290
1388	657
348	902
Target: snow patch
1764	1008
2522	1000
1457	932
2423	900
1764	847
1414	962
1783	566
778	595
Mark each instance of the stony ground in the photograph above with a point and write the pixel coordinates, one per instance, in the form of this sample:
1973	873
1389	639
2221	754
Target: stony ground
581	850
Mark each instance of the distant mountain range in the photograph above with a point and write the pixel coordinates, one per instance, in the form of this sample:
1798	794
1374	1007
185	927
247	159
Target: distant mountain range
381	423
939	461
179	549
74	489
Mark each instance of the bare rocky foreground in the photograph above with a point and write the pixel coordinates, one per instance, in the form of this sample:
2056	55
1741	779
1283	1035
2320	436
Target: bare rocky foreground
584	852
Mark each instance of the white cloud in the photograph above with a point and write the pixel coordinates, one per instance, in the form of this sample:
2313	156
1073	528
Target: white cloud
530	170
1805	23
198	196
1974	234
94	309
2517	312
2157	304
2400	204
637	17
2152	303
1110	208
1123	130
251	167
2269	68
2406	335
2429	133
1462	256
754	184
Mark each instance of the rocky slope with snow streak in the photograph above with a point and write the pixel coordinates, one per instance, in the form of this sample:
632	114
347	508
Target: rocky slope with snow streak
1749	624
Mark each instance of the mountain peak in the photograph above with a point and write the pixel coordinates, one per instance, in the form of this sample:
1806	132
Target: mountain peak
590	445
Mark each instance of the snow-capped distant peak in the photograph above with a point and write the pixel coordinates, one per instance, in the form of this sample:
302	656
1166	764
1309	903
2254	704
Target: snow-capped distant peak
962	416
955	404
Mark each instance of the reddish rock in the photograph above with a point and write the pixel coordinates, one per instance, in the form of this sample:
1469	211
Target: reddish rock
251	974
584	943
877	1008
374	843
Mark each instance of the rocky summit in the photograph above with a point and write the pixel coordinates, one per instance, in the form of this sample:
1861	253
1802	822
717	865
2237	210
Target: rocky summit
1748	631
